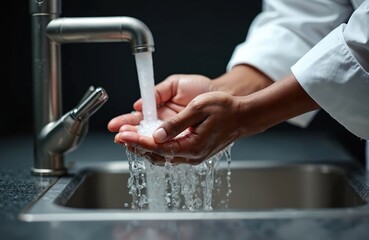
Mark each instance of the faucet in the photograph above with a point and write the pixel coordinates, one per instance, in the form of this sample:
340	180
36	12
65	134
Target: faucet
54	133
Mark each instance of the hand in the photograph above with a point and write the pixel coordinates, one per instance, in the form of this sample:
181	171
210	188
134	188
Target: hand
176	91
208	124
213	120
172	95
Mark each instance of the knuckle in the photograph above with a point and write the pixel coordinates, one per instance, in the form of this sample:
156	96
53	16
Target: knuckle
174	125
198	103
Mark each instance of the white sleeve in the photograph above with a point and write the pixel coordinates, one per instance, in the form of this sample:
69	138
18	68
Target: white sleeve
283	32
335	73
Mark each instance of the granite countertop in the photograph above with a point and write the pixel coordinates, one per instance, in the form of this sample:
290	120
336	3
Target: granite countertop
19	188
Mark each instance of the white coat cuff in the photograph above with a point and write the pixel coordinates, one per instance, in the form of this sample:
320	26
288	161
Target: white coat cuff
332	76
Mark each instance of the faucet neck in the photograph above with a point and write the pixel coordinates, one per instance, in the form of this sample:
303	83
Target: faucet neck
45	7
48	32
47	104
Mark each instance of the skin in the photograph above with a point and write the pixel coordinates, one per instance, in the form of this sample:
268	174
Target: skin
175	92
197	108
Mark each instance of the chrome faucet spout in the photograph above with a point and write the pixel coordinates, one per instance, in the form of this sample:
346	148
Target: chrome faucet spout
102	29
54	133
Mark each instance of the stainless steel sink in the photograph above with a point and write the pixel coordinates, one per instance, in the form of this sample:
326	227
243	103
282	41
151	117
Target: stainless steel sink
260	189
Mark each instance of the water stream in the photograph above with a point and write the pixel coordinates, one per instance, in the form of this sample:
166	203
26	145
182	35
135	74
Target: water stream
174	187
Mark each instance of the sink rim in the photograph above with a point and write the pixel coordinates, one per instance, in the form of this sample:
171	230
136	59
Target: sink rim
45	208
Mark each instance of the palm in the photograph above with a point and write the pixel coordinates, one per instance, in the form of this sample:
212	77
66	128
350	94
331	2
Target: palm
175	92
172	96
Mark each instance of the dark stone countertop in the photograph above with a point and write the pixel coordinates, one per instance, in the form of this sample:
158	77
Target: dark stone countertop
19	188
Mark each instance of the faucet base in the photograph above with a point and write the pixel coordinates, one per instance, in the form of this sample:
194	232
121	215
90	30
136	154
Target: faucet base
49	172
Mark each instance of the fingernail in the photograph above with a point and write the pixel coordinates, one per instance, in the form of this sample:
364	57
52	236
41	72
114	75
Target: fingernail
159	135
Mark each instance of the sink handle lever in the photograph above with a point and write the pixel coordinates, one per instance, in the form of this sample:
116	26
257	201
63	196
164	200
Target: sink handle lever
93	99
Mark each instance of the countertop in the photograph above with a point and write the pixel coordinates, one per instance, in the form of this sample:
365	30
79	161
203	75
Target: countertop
19	188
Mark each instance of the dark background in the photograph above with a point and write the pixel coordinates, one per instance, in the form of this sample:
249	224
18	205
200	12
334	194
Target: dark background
190	37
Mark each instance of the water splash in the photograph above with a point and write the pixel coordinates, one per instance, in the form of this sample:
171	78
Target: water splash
178	187
172	187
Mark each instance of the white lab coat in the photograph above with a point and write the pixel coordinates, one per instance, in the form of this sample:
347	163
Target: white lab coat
325	43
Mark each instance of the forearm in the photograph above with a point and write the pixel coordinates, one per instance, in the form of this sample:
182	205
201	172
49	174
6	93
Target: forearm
279	102
241	80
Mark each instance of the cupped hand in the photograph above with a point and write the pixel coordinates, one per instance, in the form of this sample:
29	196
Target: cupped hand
172	95
207	125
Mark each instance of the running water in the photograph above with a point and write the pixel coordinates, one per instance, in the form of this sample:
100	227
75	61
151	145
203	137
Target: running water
184	186
145	72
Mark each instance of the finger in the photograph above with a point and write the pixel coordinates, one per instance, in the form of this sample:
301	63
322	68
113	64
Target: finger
183	149
183	120
165	113
179	151
146	145
133	118
138	105
168	110
174	107
128	128
136	140
159	160
166	89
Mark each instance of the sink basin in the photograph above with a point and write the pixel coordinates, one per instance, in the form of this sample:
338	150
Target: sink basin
297	186
260	189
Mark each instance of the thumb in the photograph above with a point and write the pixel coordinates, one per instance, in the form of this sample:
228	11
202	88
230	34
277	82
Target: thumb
138	105
182	121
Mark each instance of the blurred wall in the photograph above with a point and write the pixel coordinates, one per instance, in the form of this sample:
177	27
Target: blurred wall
190	37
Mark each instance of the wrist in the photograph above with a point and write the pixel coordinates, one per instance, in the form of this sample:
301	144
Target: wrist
241	80
275	104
